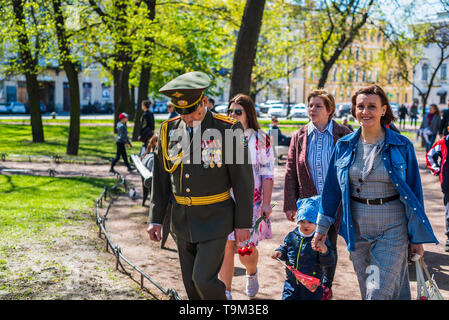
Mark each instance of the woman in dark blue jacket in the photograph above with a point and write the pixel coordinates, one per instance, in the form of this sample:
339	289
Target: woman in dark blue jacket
374	174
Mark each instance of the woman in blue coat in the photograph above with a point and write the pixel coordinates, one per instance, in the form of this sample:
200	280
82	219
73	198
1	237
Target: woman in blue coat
374	174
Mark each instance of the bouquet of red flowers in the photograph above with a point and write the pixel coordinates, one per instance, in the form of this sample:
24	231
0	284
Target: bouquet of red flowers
311	283
247	249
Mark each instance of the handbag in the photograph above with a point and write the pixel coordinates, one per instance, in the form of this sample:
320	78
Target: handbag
427	290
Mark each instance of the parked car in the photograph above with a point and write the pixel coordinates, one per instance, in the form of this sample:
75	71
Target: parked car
88	108
17	107
278	110
159	107
299	111
221	108
106	107
265	107
257	106
343	109
4	108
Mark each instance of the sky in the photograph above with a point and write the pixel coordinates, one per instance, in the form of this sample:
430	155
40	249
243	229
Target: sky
394	10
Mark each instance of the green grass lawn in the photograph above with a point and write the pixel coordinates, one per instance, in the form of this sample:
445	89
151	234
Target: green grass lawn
96	142
30	205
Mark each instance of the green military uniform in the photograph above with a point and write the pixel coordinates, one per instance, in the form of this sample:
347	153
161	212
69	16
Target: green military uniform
204	213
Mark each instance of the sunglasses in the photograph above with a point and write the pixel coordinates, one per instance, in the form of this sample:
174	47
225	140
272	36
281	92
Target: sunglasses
238	112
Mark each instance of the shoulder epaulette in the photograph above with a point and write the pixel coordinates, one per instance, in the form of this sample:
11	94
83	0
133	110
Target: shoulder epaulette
172	119
224	118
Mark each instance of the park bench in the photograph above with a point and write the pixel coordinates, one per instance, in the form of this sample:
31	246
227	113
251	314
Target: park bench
144	169
280	151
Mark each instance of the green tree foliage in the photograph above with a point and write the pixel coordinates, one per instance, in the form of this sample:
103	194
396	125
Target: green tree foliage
280	47
26	50
331	27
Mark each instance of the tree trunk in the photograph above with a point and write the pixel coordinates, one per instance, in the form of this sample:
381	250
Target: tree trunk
327	68
35	112
246	47
75	112
142	94
30	67
72	76
117	102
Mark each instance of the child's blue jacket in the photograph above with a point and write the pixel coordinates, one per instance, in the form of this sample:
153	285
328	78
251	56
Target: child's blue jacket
297	251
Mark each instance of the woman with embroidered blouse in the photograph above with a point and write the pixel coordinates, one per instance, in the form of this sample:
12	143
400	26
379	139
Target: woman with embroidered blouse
242	108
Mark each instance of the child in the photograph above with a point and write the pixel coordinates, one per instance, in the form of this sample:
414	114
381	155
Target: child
297	251
121	141
439	150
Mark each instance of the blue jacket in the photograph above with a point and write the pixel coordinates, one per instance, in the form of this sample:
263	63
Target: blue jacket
399	159
297	251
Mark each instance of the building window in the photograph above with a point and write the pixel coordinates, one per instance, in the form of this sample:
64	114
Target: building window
350	75
335	74
379	37
443	99
87	91
443	75
357	54
364	76
357	75
425	72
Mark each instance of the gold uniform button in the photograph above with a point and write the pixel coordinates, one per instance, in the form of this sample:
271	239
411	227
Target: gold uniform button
187	190
187	176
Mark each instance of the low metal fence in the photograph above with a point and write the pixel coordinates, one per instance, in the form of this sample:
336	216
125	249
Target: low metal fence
101	222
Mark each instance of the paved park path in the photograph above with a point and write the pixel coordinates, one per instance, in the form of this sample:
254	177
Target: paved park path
127	225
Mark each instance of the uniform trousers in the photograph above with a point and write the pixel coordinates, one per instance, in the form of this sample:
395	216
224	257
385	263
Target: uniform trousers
200	265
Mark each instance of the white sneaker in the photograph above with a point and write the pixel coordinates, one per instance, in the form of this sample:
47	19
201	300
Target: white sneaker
252	285
228	295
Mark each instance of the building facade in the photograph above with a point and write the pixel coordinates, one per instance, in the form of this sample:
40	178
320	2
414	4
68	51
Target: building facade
360	66
54	89
433	64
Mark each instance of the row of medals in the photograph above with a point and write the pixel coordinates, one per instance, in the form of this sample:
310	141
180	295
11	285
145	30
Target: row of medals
211	157
211	154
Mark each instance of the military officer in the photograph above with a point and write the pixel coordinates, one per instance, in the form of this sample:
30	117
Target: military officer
201	177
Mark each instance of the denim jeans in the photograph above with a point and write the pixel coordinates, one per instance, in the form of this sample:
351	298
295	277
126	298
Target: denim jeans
431	142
